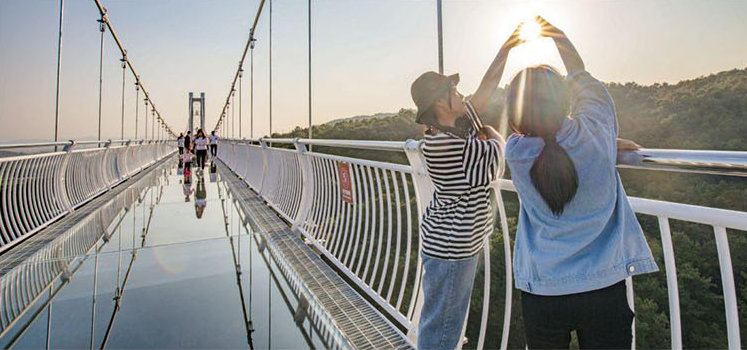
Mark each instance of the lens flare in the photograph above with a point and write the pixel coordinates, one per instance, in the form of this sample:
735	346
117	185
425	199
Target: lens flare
529	30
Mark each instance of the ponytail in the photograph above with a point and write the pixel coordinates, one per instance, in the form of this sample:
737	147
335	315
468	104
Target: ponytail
554	176
537	103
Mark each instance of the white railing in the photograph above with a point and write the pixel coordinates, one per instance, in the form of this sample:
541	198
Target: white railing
372	236
37	189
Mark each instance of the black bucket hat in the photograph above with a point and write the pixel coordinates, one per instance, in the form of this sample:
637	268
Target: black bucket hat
426	89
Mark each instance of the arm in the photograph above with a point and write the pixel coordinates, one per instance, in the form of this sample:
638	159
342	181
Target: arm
589	97
493	75
568	53
490	133
627	145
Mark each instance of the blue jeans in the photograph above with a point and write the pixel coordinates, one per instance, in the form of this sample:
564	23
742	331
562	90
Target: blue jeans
447	287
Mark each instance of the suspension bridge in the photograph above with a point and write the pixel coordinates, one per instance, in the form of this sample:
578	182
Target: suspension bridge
280	243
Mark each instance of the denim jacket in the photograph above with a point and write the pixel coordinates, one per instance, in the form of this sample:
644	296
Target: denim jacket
597	241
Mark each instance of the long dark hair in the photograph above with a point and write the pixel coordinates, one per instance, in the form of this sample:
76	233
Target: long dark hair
537	104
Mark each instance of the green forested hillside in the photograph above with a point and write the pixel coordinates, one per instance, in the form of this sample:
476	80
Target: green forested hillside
704	113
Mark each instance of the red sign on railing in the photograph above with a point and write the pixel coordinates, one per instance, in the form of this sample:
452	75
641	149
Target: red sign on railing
346	189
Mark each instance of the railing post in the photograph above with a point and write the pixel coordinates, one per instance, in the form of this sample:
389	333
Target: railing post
61	186
127	158
105	163
672	288
247	162
727	282
306	183
265	166
421	180
508	297
140	154
423	193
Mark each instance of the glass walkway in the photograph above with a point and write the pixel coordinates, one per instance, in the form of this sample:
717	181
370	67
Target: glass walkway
175	269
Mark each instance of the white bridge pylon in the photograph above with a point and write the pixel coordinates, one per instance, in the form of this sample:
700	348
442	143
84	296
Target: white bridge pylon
196	113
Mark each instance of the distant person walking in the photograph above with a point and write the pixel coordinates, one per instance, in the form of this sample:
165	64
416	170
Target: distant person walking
458	219
213	144
188	140
577	238
201	145
187	159
180	143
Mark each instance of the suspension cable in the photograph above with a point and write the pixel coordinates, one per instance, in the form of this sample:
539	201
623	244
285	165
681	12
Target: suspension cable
241	77
309	21
124	71
59	67
439	21
233	113
102	28
243	57
251	87
105	21
152	120
145	111
270	70
137	104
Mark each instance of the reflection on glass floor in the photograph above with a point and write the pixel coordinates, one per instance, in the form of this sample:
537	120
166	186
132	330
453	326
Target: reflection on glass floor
177	270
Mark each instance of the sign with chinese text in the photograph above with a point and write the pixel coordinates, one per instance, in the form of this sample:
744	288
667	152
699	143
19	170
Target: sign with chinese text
346	188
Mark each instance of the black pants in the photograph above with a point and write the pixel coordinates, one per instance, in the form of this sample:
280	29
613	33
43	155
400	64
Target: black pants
213	150
181	150
201	154
602	319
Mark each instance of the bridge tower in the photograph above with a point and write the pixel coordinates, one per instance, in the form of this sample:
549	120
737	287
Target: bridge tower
196	112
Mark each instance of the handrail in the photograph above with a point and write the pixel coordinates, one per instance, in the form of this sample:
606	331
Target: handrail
353	231
37	189
74	142
697	161
733	163
35	144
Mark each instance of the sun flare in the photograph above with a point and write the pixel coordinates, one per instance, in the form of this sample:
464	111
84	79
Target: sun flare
529	30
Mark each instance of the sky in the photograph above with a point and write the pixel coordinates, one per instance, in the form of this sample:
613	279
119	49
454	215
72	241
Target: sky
365	54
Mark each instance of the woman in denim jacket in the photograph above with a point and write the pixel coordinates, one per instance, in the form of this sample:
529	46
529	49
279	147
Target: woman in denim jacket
578	238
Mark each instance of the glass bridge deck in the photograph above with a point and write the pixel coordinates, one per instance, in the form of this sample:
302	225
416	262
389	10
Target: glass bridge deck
177	270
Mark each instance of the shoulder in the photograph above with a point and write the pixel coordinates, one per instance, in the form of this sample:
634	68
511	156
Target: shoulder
442	139
519	147
442	143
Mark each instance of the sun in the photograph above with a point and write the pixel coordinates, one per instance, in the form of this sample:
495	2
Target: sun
529	30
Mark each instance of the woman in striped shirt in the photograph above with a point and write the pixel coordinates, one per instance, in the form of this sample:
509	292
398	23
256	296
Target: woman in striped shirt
458	218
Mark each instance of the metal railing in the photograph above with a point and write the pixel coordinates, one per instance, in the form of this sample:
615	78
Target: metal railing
28	288
37	189
371	233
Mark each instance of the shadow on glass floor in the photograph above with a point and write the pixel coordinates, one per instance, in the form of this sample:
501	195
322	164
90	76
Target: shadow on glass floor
168	273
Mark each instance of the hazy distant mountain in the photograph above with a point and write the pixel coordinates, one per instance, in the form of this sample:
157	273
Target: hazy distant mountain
4	154
359	118
708	112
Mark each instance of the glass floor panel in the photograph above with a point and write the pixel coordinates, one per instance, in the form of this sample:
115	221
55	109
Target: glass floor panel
168	278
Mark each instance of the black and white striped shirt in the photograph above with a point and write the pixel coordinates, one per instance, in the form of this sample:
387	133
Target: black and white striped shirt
458	217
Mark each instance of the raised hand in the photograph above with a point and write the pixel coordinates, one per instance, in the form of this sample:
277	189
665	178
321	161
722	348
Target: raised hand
493	75
567	51
513	40
547	29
